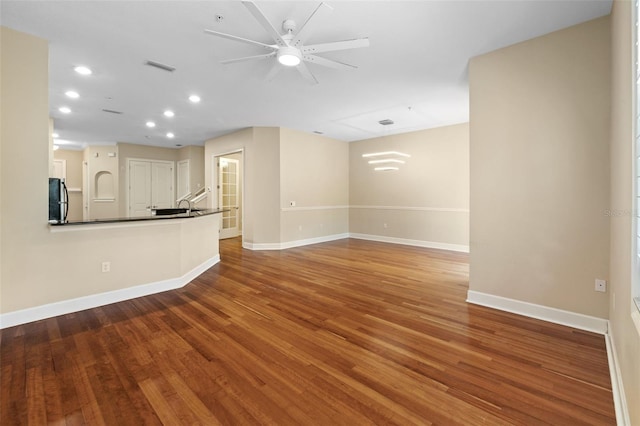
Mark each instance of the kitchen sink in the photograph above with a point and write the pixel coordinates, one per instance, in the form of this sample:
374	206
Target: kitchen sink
166	212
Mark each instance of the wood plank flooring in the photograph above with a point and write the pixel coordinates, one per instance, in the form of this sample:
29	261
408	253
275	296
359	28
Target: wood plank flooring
349	332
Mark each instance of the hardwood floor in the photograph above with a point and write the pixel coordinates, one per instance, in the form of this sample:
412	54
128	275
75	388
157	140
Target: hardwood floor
343	333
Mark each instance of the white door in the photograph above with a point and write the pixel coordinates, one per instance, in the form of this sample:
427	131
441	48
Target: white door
86	192
60	169
139	188
183	179
228	199
162	192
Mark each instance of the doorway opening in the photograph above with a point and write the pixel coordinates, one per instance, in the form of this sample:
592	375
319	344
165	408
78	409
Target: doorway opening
228	180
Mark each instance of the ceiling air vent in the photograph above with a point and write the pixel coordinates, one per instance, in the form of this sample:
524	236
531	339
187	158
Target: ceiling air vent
160	66
110	111
386	122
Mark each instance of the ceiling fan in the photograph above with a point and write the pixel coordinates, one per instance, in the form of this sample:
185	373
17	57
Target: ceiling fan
289	48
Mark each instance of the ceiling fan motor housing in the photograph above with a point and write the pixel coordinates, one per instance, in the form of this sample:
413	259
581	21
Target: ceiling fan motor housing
289	25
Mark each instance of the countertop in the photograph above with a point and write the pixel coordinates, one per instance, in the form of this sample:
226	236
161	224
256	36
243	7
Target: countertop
194	213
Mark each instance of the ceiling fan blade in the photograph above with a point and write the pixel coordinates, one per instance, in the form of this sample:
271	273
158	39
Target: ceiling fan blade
306	73
336	45
257	13
327	62
236	38
248	58
321	11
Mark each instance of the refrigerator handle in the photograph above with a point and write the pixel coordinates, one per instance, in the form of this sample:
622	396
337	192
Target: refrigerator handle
66	201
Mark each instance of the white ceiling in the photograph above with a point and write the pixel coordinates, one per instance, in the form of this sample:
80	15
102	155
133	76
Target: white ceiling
414	72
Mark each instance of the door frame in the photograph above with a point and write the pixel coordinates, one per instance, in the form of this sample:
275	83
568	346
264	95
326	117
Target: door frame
214	182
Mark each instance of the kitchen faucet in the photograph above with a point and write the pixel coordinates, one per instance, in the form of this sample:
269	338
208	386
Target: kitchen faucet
188	203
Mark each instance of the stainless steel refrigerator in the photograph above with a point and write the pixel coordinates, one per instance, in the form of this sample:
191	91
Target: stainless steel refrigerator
58	201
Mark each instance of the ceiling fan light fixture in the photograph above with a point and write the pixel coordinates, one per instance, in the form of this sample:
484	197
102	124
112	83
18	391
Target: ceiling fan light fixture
289	56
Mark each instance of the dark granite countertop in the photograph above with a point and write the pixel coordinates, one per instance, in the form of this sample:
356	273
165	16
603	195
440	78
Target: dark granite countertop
194	213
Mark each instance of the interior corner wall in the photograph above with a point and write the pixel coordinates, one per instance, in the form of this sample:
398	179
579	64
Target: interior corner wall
539	158
314	174
261	152
426	201
621	328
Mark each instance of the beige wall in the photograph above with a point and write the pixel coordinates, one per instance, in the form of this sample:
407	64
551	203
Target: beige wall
314	173
540	169
24	115
282	165
141	152
39	266
426	201
195	155
261	153
104	195
622	330
73	160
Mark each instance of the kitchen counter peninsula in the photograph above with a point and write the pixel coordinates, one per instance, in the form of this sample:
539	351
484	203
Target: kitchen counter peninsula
187	215
104	261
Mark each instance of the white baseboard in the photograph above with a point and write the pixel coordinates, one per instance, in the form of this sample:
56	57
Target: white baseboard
617	388
36	313
545	313
408	242
291	244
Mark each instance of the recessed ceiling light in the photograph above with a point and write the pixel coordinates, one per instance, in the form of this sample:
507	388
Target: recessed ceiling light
385	169
194	99
71	94
55	135
150	124
169	113
64	110
170	135
82	70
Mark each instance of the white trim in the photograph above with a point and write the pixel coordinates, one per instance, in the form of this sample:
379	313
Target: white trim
289	209
545	313
617	388
297	243
409	208
407	242
36	313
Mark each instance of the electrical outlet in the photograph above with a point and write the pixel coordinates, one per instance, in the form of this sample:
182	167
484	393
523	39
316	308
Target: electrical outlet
106	266
601	285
